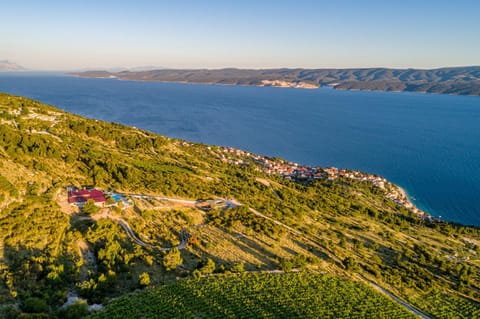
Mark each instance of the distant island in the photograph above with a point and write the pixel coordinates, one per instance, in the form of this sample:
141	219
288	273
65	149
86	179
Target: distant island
454	80
9	66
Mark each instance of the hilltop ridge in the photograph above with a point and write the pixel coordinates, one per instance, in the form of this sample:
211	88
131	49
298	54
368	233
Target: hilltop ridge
453	80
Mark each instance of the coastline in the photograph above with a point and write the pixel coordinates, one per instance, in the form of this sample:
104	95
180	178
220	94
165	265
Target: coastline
291	79
320	86
303	173
265	83
411	186
409	202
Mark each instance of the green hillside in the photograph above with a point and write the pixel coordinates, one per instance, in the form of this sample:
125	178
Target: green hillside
191	210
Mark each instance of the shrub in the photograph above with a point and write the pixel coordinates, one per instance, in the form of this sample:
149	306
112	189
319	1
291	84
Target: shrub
34	305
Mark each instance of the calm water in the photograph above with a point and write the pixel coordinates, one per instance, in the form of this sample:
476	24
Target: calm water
428	144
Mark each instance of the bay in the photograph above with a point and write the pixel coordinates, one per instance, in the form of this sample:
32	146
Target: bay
428	144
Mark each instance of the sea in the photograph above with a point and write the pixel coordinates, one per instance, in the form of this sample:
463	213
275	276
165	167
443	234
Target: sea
429	144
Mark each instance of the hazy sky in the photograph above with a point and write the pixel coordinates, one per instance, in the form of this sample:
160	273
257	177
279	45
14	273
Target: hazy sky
250	34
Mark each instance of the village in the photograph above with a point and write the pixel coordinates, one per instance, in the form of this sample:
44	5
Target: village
295	172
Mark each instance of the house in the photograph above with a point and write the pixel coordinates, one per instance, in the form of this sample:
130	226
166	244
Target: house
80	197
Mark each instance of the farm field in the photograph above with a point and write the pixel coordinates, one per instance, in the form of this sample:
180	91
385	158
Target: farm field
255	295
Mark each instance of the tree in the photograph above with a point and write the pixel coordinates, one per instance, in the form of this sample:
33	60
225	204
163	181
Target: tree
209	267
9	312
89	207
299	261
110	201
144	279
286	265
238	268
196	274
172	259
76	310
350	263
34	305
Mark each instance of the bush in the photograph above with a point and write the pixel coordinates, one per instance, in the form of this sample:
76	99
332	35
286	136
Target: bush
90	208
350	263
9	312
34	305
238	268
209	267
76	310
144	279
196	274
172	259
299	262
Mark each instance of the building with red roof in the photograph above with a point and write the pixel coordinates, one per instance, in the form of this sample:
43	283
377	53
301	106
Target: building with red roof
80	197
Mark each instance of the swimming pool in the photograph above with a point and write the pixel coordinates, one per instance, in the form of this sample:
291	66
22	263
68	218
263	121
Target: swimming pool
117	197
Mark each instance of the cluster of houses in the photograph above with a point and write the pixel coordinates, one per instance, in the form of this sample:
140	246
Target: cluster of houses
224	157
296	172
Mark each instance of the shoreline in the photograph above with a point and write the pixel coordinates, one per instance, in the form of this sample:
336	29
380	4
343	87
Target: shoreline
275	83
299	85
410	204
304	173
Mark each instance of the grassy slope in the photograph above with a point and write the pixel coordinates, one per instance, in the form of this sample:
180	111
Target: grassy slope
42	150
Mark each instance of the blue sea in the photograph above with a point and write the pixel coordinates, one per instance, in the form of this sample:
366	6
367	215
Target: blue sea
428	144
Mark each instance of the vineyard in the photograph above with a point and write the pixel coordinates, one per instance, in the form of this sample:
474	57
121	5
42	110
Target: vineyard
293	295
449	306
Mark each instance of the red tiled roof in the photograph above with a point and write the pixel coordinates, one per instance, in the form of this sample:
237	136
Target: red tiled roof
83	195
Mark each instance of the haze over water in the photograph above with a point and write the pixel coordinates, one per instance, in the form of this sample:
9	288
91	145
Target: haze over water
428	144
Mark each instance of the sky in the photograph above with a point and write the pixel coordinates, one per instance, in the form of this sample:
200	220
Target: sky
68	34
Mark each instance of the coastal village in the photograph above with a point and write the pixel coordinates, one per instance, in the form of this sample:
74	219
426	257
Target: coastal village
296	172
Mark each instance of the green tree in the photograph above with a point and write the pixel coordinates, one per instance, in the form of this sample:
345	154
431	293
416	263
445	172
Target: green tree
197	274
9	312
350	263
89	207
76	310
286	265
238	268
209	267
34	305
172	259
144	279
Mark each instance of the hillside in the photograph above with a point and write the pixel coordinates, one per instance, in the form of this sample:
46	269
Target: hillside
177	210
456	80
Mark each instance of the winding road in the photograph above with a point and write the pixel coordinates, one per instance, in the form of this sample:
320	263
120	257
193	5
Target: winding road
183	234
232	203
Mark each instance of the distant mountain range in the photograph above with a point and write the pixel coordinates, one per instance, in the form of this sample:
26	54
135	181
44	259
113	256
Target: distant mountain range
454	80
6	65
